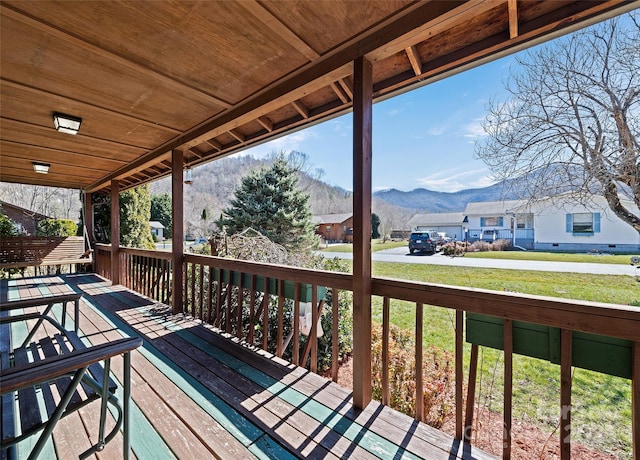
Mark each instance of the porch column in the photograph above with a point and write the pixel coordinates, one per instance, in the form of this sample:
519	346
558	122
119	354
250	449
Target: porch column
362	120
88	216
177	215
115	231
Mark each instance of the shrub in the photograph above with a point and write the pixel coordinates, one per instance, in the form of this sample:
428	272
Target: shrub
501	245
482	246
456	248
438	375
57	227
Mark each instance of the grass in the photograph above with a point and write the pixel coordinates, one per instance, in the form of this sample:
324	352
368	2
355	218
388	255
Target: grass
596	258
376	245
602	403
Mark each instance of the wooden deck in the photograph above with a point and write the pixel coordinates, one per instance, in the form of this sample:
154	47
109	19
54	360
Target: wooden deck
197	394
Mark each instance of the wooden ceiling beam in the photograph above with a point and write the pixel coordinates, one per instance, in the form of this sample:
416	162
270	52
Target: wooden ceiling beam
266	123
74	41
279	28
346	86
414	59
339	92
301	108
237	134
512	6
214	143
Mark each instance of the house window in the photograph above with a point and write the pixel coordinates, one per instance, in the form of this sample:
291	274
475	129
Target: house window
493	221
583	223
521	222
328	228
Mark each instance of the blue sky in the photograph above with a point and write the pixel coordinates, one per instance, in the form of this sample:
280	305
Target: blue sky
423	138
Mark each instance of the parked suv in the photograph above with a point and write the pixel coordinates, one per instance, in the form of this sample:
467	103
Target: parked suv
424	241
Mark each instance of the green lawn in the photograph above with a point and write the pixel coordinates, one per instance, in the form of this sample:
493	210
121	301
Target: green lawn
602	404
553	256
376	245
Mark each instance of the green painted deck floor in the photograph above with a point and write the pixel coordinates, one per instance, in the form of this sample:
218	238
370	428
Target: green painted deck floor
198	395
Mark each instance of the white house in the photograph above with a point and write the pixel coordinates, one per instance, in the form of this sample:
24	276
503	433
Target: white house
569	226
496	220
157	229
552	224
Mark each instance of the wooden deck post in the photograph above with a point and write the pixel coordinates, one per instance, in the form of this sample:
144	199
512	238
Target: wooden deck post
88	216
177	215
115	231
362	125
635	399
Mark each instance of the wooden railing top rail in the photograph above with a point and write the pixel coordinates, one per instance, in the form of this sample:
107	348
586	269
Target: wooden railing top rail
164	255
593	317
283	272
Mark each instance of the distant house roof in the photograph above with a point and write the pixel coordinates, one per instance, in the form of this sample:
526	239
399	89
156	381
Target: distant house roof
437	219
331	218
17	209
155	224
496	207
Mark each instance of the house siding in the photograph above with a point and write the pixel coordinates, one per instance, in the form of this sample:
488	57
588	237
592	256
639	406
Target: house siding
554	230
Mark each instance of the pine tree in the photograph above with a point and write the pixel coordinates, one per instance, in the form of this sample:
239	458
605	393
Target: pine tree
269	202
135	212
161	211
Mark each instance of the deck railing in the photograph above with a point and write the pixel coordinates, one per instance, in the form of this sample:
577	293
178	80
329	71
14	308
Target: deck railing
242	298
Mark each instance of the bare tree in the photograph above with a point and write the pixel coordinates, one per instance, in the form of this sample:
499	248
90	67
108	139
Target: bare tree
573	120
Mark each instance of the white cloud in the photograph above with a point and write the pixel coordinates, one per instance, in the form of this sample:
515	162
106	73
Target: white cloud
453	180
437	130
474	129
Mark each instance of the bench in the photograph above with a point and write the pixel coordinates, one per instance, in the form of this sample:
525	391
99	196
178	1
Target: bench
49	301
57	364
35	251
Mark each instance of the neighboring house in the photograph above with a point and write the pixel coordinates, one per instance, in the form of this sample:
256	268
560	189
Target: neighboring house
552	224
157	229
26	221
497	220
571	227
335	227
452	223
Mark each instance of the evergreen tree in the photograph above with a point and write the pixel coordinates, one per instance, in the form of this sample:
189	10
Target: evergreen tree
161	212
375	224
269	202
135	213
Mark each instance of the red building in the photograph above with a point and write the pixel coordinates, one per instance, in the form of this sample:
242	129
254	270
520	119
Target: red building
335	228
26	221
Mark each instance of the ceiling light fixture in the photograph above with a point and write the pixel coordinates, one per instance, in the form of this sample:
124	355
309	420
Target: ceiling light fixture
188	177
41	168
66	123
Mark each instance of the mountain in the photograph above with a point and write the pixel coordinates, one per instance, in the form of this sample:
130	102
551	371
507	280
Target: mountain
423	200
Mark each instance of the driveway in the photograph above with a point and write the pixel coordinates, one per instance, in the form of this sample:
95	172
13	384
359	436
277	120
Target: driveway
401	255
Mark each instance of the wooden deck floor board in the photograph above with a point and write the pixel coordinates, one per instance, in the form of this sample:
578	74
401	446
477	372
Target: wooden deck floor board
198	394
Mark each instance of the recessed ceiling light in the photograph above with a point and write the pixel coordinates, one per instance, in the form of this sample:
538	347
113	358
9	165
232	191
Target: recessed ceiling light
66	123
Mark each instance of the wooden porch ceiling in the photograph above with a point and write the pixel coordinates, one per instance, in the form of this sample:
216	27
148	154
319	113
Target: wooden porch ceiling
212	78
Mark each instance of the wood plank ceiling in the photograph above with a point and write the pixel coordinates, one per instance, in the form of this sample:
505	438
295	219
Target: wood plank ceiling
212	78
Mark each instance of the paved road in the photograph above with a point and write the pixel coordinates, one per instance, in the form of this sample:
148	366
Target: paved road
401	255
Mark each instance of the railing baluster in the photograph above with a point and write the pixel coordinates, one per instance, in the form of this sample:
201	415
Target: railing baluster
565	394
185	289
252	310
148	292
201	300
313	334
419	378
193	291
210	273
335	336
279	335
385	350
459	370
296	324
508	388
265	315
635	398
471	393
240	305
227	315
216	320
